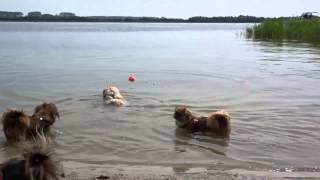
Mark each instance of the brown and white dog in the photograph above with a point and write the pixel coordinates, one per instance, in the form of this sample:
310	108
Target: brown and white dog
18	126
45	115
217	123
36	164
112	96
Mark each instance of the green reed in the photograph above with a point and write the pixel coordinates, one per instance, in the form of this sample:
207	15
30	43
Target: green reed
290	29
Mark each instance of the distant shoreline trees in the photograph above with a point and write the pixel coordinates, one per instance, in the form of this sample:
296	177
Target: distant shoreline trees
37	16
227	19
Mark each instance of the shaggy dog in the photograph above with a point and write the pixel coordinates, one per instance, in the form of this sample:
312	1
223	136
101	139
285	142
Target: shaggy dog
18	126
45	115
112	96
36	164
217	122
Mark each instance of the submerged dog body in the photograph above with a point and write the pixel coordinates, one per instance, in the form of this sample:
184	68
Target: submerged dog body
112	96
217	122
18	126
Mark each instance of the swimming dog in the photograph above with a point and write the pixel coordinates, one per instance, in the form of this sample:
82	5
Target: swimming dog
112	96
18	126
218	122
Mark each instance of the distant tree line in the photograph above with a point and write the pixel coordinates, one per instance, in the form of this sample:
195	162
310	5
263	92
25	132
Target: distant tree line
37	16
226	19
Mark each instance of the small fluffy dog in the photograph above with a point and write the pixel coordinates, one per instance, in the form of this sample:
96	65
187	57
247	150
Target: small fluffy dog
45	115
217	122
112	96
18	126
36	164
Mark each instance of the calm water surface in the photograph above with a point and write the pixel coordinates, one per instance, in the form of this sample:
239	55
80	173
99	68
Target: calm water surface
270	89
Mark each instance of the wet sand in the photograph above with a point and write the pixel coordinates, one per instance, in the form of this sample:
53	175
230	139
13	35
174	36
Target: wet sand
188	176
123	172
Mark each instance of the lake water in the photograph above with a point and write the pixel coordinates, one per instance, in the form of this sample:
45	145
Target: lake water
271	90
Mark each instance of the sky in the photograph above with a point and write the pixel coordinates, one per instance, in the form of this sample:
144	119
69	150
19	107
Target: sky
166	8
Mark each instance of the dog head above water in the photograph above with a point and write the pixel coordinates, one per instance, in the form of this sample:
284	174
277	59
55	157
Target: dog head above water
46	114
183	116
112	95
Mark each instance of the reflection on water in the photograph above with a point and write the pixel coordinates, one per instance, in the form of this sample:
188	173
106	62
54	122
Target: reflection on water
184	140
269	88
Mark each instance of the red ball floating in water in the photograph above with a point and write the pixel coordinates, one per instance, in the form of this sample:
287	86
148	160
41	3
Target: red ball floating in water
132	78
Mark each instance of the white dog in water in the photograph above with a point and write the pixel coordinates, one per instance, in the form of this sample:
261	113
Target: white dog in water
112	96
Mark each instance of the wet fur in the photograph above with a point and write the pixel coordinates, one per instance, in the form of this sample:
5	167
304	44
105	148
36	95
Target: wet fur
36	164
45	115
18	126
217	122
112	96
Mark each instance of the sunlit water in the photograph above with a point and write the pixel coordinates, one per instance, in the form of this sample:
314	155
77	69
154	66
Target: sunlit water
270	89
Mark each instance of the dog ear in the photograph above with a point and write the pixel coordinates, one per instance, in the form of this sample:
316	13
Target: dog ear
52	108
54	111
222	118
180	109
38	108
104	92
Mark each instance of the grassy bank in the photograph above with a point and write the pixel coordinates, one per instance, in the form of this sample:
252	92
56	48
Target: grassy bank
294	29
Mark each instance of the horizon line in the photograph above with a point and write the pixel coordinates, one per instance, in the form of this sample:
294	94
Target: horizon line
57	14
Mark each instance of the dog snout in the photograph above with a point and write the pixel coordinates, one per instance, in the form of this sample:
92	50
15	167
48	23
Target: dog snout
45	124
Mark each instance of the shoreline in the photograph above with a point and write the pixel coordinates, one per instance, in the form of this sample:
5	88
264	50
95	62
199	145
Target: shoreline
37	16
151	173
184	22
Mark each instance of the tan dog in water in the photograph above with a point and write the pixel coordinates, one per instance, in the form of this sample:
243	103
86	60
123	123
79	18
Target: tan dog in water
217	122
112	96
18	126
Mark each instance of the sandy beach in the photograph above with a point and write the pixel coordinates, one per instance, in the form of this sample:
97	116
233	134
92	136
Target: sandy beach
214	175
78	171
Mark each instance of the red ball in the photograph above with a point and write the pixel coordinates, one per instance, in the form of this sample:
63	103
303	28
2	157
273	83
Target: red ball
132	78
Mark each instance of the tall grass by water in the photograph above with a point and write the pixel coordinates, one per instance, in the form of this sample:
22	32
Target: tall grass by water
293	29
